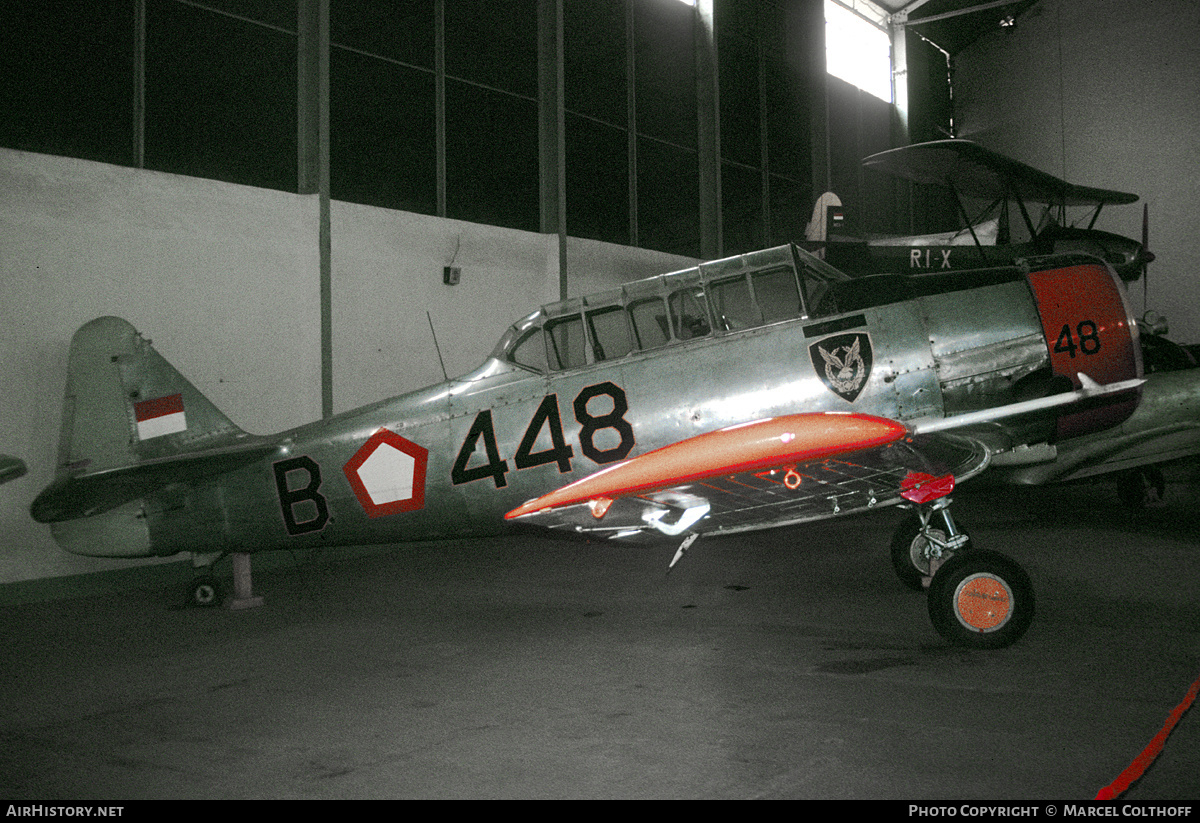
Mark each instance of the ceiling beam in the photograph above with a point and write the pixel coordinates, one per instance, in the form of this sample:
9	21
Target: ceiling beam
947	15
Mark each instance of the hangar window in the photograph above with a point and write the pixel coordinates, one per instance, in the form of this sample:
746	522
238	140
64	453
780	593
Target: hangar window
858	48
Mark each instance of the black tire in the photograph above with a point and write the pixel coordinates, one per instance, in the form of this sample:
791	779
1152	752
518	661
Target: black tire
908	558
981	599
205	593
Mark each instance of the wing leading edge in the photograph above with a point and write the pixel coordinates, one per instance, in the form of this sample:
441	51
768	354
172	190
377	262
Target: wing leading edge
975	171
786	470
772	472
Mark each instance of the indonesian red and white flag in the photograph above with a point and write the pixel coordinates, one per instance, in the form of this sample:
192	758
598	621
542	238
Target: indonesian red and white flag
163	415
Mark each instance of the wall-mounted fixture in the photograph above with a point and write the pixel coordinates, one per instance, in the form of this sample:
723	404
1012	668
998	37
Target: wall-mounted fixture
451	275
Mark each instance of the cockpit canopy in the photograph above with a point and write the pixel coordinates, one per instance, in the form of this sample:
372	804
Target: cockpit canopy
743	292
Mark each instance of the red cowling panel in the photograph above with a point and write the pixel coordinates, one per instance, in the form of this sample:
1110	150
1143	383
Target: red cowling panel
1089	329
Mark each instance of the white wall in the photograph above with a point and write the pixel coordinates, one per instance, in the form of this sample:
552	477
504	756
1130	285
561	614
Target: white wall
225	280
387	274
222	278
1104	93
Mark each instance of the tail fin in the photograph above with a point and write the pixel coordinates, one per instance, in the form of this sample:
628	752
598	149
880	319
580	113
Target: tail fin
817	230
125	404
132	424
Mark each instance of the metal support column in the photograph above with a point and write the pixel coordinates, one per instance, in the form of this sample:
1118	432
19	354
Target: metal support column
313	159
551	132
708	131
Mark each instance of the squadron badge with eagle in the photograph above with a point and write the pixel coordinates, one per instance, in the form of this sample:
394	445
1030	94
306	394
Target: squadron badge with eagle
843	363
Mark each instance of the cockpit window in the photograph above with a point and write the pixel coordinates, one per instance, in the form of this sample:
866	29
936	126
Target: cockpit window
733	304
689	313
777	295
610	332
756	299
649	316
819	278
566	342
530	350
743	292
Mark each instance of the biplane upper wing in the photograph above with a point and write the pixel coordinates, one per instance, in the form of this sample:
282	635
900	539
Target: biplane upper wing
784	470
974	171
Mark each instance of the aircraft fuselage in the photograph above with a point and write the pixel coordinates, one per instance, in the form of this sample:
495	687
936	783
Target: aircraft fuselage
586	383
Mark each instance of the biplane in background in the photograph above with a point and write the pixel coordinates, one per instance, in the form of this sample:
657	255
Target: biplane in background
996	185
762	390
1167	426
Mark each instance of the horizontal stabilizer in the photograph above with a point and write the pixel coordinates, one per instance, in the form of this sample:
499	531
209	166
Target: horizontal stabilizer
86	494
10	468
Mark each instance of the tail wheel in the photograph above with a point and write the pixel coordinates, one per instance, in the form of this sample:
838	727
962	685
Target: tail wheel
981	599
910	552
205	592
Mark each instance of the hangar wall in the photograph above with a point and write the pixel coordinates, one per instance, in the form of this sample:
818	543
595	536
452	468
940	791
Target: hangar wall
387	274
224	279
1102	93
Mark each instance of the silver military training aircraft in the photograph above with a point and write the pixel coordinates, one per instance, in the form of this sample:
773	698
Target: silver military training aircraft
762	390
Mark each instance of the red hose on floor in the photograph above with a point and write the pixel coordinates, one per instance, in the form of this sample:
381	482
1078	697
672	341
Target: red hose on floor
1142	762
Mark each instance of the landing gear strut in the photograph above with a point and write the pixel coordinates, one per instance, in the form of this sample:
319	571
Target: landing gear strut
925	540
977	598
205	592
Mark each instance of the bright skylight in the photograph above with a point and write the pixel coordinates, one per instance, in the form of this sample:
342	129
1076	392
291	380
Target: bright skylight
857	51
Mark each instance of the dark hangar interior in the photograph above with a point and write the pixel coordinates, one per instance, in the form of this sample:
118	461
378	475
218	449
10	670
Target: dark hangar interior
313	205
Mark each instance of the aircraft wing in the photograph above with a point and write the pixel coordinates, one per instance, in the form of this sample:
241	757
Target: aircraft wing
785	470
975	171
770	472
1164	427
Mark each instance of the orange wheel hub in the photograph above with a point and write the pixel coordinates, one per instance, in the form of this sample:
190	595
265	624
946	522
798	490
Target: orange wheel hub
983	602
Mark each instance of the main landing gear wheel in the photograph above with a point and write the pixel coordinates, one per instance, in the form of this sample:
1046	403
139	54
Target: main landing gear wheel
205	593
981	599
915	550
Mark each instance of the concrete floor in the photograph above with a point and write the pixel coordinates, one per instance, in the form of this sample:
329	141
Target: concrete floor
789	664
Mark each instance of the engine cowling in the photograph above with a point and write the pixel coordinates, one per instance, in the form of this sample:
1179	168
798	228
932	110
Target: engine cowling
1089	328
